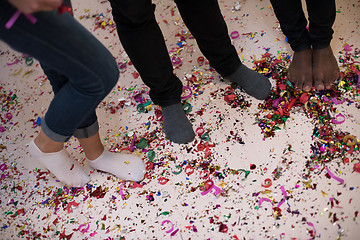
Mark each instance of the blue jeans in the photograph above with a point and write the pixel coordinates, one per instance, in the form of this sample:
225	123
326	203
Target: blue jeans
80	69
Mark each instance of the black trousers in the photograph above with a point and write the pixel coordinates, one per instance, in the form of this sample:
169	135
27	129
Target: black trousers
144	43
293	22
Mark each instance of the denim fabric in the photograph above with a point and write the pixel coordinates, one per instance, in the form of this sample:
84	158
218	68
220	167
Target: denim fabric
144	43
293	22
80	69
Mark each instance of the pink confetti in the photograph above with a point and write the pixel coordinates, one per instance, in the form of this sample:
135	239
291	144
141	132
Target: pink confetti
176	60
333	176
31	18
266	200
234	35
16	62
13	19
347	48
3	167
16	15
339	119
132	147
172	225
82	229
285	195
4	176
190	92
312	225
337	102
281	235
121	192
174	232
217	190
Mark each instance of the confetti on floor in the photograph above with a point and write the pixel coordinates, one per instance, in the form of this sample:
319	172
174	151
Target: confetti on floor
284	168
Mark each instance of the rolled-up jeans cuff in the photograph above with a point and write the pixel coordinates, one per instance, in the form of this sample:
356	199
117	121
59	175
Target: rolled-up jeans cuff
87	131
79	133
51	134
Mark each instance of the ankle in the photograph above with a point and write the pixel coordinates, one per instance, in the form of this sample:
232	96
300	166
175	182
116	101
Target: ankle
306	52
92	146
323	52
48	146
95	153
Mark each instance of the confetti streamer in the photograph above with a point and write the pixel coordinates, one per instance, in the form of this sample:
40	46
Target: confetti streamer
190	92
266	200
16	15
312	225
333	176
284	198
189	170
82	229
121	191
339	119
212	186
267	183
16	62
172	225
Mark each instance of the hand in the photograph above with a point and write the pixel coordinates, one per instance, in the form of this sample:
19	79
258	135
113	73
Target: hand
31	6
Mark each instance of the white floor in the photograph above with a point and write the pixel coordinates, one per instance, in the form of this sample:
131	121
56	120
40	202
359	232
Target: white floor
171	203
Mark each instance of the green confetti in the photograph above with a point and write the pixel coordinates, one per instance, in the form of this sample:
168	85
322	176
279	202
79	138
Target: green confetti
151	155
165	213
142	144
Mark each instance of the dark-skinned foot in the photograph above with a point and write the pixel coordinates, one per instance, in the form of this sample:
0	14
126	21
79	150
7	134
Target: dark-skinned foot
325	68
300	70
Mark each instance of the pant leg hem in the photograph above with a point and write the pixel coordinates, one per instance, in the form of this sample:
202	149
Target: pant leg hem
229	73
320	46
87	132
51	134
302	47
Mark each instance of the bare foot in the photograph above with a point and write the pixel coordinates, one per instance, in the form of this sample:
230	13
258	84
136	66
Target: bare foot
325	69
300	70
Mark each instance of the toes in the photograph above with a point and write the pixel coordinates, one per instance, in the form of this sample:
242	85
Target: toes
319	82
300	70
306	82
326	69
328	83
306	88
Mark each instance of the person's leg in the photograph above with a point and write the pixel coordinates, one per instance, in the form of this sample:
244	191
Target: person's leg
293	24
123	166
62	44
66	49
207	25
321	19
144	43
